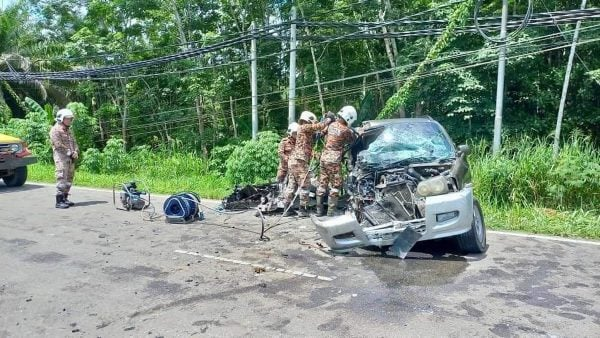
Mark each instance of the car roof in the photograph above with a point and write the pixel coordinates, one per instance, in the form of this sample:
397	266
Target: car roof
377	123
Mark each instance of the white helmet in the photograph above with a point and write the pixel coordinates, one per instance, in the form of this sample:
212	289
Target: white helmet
64	113
292	128
308	117
348	113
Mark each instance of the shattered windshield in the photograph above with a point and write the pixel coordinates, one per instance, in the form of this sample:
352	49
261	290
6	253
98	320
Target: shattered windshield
405	143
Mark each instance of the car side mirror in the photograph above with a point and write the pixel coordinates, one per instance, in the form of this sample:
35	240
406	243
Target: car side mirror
464	149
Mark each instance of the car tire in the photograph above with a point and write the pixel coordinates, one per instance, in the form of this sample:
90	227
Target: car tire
17	179
474	241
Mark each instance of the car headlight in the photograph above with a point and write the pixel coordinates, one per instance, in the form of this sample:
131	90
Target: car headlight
15	148
433	186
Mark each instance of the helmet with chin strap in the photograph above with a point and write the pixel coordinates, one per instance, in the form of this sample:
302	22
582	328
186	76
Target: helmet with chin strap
348	114
64	114
308	117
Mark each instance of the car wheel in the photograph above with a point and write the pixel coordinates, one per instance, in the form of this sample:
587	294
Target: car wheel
17	179
474	241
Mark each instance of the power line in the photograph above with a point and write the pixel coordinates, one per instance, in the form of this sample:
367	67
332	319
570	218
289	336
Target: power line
563	35
451	56
390	82
90	73
263	57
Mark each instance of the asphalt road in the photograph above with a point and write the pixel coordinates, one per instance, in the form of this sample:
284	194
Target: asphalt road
92	270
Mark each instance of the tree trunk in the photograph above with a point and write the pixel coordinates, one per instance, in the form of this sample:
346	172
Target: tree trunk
316	68
388	46
419	109
199	107
388	7
342	66
179	24
372	63
235	134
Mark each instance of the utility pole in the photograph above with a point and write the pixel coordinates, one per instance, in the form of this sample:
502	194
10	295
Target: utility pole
500	85
253	84
563	96
292	92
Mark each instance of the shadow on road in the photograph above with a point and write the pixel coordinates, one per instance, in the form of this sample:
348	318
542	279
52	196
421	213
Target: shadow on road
88	203
6	190
438	250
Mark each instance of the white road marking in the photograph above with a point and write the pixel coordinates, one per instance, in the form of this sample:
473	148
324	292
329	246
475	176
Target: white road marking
548	238
265	267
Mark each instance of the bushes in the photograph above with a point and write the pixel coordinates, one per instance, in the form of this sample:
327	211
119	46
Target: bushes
254	161
218	157
85	127
34	129
525	174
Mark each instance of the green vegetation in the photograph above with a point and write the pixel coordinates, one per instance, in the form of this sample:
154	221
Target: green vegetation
578	223
208	185
520	189
185	124
525	174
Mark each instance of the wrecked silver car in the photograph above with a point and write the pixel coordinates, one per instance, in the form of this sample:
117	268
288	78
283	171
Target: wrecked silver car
408	183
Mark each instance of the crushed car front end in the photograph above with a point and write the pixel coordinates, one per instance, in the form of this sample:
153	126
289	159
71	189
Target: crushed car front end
445	216
407	184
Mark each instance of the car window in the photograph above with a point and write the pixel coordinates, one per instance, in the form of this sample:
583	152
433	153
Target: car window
416	142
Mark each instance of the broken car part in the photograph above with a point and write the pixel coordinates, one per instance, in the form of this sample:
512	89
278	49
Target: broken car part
408	183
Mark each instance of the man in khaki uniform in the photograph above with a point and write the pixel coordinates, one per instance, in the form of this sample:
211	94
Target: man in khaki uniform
286	146
339	135
300	160
65	151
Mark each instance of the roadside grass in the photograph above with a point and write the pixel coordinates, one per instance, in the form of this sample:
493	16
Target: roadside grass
521	189
578	223
207	186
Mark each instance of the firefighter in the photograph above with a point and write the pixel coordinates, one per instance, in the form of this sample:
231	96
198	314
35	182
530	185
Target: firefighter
339	134
285	150
65	152
298	178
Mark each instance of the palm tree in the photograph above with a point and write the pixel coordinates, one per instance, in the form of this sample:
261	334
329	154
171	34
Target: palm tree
13	93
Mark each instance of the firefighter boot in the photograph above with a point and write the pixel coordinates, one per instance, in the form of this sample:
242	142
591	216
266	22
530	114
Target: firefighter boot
320	209
60	202
66	200
287	210
302	211
332	205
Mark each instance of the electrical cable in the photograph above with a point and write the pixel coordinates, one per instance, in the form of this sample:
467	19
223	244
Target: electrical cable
390	82
517	31
90	73
563	35
93	73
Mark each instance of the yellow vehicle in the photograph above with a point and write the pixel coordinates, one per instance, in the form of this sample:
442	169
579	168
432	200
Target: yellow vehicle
14	158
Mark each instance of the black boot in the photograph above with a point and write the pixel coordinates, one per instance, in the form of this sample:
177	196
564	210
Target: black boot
302	211
60	202
332	205
66	200
320	209
287	210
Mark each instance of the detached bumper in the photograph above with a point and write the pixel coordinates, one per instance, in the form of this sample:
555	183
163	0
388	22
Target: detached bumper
11	163
445	216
